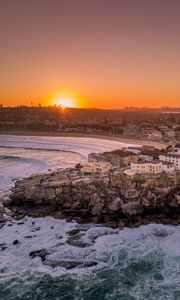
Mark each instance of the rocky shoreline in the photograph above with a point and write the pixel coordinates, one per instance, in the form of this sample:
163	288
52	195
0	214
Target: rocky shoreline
112	199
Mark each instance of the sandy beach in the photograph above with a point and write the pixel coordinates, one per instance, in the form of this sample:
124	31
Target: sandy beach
140	142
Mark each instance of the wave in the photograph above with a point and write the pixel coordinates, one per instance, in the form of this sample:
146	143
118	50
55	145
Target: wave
40	149
21	159
135	264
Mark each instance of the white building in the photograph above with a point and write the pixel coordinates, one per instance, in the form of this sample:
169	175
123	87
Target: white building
96	167
147	167
154	167
168	167
177	148
173	158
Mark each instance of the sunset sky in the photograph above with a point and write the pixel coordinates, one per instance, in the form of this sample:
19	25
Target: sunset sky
95	53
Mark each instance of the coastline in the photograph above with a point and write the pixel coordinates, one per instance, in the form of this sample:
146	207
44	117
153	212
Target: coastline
139	142
105	199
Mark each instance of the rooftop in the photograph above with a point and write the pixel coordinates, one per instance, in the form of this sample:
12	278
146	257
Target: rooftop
120	153
171	155
147	162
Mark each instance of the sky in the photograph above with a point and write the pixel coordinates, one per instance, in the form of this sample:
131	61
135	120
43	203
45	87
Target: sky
98	53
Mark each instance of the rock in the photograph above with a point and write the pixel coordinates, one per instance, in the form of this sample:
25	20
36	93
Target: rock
89	264
19	216
145	222
174	203
84	212
96	204
2	209
110	224
58	214
96	210
6	201
71	195
2	246
158	276
35	229
73	231
132	208
78	243
93	233
16	242
2	219
121	224
20	223
115	204
63	264
177	197
42	253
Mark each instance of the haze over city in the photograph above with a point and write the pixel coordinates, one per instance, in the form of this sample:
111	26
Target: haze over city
99	53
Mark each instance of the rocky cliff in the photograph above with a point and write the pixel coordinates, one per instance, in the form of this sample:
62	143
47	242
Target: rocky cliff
110	199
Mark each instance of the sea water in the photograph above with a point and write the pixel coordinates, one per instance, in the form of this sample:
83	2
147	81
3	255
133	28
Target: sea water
140	263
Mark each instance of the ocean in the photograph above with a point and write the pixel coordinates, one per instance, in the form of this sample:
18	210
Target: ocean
103	263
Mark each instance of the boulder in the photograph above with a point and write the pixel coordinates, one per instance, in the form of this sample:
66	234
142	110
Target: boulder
42	253
115	204
177	197
73	231
132	208
97	209
63	264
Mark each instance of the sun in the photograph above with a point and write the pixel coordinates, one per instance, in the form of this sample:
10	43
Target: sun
64	103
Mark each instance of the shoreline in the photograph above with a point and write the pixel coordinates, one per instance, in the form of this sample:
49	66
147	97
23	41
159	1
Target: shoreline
138	142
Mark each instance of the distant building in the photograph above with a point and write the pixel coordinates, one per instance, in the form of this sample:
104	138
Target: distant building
146	157
121	158
154	167
96	167
168	167
117	158
177	148
147	167
173	158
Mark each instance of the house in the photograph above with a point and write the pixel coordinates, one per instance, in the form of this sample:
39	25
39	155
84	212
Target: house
177	148
147	167
154	167
168	167
118	158
173	158
96	167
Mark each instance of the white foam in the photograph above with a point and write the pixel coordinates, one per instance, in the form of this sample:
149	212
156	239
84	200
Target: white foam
29	155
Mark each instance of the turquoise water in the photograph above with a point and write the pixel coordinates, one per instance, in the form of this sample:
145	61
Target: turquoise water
140	263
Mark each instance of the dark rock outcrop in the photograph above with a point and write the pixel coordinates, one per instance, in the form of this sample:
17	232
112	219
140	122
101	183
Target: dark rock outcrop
111	199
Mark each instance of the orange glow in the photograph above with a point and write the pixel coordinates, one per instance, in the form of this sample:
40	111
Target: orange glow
64	102
120	59
64	98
